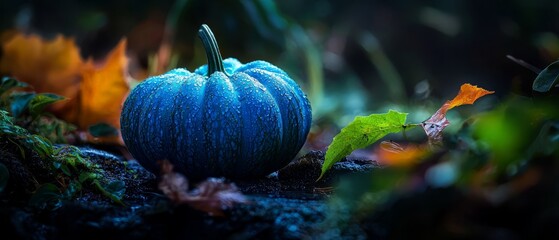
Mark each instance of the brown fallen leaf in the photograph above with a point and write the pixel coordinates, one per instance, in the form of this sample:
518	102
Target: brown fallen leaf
437	123
211	196
173	185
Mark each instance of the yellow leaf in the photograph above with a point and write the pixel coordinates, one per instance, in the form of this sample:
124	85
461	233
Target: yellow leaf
103	90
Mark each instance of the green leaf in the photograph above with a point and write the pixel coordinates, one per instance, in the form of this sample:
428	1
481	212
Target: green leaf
19	102
547	78
71	190
40	101
39	144
4	176
360	133
102	130
114	190
46	196
8	83
86	176
64	168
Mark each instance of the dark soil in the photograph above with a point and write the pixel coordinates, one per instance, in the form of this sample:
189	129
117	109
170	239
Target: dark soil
288	204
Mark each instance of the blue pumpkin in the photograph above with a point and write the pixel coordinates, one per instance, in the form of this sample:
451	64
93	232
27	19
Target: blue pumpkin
224	119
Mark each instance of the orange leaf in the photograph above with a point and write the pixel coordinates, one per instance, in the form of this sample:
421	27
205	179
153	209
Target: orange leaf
393	154
468	95
437	123
104	90
94	95
48	66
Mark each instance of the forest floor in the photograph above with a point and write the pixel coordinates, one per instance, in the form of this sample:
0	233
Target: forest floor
288	204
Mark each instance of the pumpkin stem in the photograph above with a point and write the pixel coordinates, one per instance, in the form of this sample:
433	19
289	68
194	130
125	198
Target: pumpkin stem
215	62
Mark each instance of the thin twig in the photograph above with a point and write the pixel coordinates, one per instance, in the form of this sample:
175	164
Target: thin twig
524	64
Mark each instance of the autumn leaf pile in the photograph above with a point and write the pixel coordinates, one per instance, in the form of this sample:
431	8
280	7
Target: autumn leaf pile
94	91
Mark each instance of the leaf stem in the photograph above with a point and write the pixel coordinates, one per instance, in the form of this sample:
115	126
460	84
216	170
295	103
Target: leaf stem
410	125
215	62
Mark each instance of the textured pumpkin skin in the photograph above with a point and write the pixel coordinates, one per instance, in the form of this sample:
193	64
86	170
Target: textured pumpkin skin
243	124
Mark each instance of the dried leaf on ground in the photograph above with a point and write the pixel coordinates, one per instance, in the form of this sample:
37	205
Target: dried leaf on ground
211	196
173	185
437	123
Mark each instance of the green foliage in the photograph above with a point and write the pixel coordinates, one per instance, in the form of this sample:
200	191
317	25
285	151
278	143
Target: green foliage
28	110
21	137
40	101
72	172
19	102
81	172
8	84
113	190
45	196
33	103
500	153
362	132
51	128
547	79
517	130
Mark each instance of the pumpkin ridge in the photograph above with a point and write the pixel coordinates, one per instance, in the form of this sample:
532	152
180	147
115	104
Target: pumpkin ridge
263	66
231	166
145	151
298	94
134	124
295	137
155	142
274	80
228	165
175	116
166	116
217	133
256	163
189	143
207	162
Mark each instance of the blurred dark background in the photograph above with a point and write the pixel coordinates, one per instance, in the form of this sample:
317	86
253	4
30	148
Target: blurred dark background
351	56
